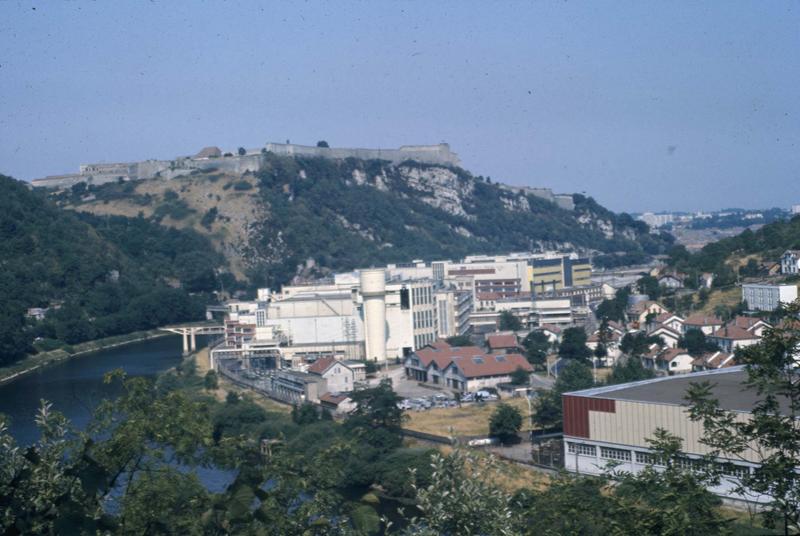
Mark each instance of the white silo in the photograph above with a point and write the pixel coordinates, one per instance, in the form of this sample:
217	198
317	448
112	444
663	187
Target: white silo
373	292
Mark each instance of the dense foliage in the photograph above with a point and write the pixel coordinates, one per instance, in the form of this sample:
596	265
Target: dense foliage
98	276
320	211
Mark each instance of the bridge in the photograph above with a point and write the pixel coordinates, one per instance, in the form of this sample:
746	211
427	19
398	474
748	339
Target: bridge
190	332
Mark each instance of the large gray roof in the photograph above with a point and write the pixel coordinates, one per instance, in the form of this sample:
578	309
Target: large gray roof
729	388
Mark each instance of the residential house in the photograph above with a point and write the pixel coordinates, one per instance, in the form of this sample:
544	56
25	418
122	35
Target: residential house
790	262
668	335
670	281
502	342
713	360
708	324
613	352
339	376
639	311
650	357
730	337
552	331
675	361
706	280
672	321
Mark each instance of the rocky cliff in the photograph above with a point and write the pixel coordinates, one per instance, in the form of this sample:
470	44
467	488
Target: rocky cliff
302	217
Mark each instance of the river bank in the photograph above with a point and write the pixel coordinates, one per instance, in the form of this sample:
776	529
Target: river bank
44	359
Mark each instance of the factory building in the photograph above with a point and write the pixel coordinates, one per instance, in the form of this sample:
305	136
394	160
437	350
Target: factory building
613	423
556	273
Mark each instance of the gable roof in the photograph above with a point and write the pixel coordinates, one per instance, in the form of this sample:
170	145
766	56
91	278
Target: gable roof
490	365
443	355
665	317
703	320
734	333
666	330
671	353
715	360
747	322
501	340
321	365
552	328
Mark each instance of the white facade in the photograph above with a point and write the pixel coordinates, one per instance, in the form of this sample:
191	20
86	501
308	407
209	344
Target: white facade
373	292
767	297
453	308
790	262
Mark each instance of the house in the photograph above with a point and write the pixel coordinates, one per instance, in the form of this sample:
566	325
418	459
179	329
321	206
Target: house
675	361
465	368
553	332
708	324
37	313
706	280
790	262
672	321
502	342
667	334
649	358
753	324
713	360
340	378
639	311
670	281
479	372
338	403
613	339
730	337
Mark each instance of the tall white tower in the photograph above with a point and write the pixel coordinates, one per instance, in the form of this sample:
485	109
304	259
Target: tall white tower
373	291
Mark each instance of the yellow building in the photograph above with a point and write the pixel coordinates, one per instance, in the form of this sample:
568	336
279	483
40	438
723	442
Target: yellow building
547	275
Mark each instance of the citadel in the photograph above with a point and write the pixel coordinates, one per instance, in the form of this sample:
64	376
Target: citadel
239	162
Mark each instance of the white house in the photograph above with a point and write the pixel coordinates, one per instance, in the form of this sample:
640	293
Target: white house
790	262
675	361
668	335
340	377
708	324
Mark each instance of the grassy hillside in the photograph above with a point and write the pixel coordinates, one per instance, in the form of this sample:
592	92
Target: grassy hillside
100	276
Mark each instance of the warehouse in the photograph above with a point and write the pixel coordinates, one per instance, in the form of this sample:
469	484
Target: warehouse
612	424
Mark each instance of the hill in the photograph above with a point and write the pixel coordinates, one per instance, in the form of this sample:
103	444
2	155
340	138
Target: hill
302	217
739	255
98	276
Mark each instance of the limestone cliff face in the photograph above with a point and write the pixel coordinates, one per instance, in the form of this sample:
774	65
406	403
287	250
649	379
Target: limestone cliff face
303	217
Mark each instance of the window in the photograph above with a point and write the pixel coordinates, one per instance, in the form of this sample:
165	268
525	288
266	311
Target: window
648	458
500	358
615	454
477	360
581	449
734	470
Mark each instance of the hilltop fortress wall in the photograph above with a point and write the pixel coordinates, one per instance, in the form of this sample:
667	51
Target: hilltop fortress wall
252	161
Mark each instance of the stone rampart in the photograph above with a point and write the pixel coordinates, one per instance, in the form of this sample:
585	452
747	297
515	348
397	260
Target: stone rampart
427	154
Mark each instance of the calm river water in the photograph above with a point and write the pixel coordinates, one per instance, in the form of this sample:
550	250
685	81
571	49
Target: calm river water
75	387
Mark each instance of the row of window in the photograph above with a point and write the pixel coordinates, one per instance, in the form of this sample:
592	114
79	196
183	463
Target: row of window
422	295
648	458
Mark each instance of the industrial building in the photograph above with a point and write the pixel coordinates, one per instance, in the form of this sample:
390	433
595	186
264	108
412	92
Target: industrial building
613	423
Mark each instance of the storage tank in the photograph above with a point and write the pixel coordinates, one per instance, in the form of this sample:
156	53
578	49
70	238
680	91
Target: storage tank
373	291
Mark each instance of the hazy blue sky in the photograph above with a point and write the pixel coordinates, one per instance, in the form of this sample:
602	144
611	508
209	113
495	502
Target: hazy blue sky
643	105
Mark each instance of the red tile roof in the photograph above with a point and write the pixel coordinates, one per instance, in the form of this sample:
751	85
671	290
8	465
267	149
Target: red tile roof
671	353
703	320
333	398
321	365
715	360
553	328
746	322
442	356
491	365
734	333
499	341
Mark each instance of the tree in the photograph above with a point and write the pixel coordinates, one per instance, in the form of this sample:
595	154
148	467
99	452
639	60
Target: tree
629	370
459	340
509	322
537	346
323	143
505	423
377	407
305	413
573	344
241	151
649	285
770	435
576	375
520	376
462	499
614	309
695	342
211	381
637	344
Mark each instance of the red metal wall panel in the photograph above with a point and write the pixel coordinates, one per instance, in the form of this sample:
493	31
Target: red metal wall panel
576	413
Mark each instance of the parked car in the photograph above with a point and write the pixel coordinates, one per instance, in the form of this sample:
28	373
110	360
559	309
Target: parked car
405	405
468	397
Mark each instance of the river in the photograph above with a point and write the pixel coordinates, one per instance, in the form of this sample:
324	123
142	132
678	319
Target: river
75	386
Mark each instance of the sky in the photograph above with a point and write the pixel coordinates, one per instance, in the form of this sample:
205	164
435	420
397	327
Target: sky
645	106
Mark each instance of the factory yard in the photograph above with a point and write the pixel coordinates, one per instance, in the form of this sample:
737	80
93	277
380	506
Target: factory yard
468	420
